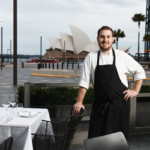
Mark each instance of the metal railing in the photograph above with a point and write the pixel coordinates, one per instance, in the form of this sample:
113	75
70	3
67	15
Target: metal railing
60	65
135	131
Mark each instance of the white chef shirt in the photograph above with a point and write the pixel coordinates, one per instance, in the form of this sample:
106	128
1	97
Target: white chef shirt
125	64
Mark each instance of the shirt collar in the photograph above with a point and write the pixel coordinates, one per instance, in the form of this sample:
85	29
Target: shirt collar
110	53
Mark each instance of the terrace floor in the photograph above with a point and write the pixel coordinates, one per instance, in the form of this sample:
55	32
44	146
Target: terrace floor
142	143
7	87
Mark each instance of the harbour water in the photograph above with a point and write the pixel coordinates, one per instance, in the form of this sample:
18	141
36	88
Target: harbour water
20	60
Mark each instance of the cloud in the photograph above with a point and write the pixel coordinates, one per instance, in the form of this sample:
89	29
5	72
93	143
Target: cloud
53	16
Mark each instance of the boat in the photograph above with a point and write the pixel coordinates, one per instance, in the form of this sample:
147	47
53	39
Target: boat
44	60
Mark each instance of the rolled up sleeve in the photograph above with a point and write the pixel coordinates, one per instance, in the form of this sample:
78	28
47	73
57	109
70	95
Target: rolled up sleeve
135	69
85	73
139	74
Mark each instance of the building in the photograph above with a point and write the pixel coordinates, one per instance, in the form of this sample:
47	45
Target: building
75	46
147	24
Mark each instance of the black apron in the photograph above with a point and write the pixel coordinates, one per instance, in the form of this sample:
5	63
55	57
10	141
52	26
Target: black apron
110	111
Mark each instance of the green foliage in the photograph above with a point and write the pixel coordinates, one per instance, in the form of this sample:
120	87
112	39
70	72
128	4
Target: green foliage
138	18
54	96
145	89
146	38
20	94
119	34
60	95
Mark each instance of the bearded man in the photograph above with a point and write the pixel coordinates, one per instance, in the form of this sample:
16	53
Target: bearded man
107	68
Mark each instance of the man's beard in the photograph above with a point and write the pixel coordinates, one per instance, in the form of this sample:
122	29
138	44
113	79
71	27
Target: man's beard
105	49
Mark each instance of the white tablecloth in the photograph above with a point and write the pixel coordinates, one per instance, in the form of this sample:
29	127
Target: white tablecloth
20	128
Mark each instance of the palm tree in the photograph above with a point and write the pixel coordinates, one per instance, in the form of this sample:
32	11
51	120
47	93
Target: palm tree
114	41
138	18
146	38
118	34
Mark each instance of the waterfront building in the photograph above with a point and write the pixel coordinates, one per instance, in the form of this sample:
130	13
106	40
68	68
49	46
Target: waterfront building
147	24
75	46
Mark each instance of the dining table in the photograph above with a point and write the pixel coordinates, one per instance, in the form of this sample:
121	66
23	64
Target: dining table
21	127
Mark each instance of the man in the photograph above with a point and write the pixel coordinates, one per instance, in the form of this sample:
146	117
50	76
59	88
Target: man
106	69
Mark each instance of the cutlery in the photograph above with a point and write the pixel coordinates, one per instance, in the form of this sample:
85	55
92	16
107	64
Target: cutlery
7	120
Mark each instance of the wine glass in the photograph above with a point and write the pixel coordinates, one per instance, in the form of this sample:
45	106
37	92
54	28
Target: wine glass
13	100
5	102
13	103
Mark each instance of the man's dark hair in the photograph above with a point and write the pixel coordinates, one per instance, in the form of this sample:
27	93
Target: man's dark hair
104	28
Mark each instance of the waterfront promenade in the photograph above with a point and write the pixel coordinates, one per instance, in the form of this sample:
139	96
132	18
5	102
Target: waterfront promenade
6	86
6	79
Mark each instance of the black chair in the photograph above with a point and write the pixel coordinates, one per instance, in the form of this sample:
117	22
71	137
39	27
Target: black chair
6	144
57	135
115	141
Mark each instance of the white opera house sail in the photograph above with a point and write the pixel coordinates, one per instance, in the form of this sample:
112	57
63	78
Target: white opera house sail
77	42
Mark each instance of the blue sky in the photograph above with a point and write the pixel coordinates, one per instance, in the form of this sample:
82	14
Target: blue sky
53	16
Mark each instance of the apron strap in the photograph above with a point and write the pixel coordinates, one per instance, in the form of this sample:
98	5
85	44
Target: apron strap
98	57
109	103
114	60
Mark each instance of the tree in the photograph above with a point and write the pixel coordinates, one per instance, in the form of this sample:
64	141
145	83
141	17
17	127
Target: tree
146	38
118	34
114	41
138	18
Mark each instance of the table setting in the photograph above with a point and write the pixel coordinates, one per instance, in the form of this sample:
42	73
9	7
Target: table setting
19	122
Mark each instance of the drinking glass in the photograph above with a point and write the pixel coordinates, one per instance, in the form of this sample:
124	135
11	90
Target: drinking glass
11	112
5	103
13	100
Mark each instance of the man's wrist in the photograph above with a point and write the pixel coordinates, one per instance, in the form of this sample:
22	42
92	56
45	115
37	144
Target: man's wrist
136	91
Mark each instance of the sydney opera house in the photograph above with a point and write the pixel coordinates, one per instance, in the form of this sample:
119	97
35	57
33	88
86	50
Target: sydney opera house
77	45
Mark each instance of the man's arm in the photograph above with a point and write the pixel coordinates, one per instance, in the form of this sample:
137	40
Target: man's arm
135	91
83	84
79	102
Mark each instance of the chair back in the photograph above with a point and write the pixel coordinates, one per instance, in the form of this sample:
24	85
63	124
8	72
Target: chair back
72	123
57	135
115	141
6	145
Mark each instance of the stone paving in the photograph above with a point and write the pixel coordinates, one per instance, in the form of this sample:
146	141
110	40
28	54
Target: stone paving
23	75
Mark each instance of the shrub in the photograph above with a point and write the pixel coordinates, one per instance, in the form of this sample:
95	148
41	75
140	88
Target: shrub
41	96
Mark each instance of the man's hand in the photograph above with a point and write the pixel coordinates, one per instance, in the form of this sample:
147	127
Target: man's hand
79	102
77	108
129	94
